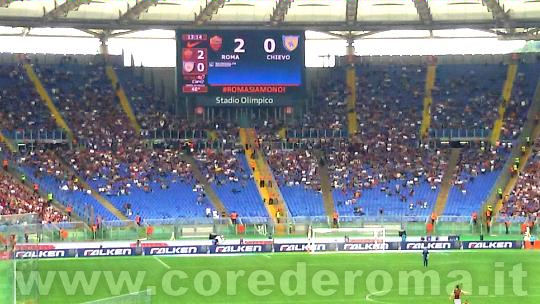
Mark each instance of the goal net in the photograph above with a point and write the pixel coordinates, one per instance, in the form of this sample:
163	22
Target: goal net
374	236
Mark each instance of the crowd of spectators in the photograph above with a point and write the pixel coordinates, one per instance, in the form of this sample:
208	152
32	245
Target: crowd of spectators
17	198
385	149
329	109
295	167
476	160
467	97
361	166
222	167
517	107
524	199
22	108
150	110
45	163
86	99
116	172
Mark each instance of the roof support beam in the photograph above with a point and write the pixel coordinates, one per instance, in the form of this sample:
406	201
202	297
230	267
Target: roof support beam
5	3
212	7
280	11
422	7
351	11
90	32
133	13
529	34
63	9
499	14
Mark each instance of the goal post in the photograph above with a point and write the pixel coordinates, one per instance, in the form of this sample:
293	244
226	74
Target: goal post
371	235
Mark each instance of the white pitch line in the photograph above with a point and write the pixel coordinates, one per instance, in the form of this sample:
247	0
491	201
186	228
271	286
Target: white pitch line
369	299
162	263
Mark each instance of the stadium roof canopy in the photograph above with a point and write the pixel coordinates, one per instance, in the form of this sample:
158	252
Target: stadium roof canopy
510	18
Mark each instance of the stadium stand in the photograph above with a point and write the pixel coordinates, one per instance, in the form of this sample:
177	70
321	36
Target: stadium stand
383	168
229	175
524	199
84	95
478	169
521	99
297	174
467	96
17	198
22	109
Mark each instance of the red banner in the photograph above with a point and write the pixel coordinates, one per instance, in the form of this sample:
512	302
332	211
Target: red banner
4	255
528	245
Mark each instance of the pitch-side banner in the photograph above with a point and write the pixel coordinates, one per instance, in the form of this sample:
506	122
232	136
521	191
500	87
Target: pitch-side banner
175	250
219	249
41	254
368	246
493	245
303	247
104	252
430	245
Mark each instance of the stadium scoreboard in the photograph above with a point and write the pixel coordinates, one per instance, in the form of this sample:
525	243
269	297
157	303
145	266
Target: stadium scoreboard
224	67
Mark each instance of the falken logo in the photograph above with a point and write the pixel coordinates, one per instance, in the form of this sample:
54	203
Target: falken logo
40	254
107	252
434	246
490	245
365	247
300	247
236	249
173	250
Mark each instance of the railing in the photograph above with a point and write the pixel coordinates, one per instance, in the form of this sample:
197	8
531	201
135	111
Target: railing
174	135
248	227
29	136
316	133
16	219
457	134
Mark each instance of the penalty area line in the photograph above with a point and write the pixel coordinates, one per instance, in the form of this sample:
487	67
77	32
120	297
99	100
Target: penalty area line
161	262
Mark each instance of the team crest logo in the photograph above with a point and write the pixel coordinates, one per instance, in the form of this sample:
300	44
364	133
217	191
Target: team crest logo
188	66
187	53
215	43
290	43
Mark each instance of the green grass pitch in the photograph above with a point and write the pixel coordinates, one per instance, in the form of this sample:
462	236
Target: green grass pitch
483	267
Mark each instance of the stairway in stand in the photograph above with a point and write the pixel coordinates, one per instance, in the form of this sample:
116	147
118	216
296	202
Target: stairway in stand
93	192
506	94
124	101
216	201
446	183
506	181
428	100
40	89
264	178
9	144
326	186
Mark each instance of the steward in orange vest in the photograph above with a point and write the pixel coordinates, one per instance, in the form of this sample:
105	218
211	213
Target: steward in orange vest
335	219
234	217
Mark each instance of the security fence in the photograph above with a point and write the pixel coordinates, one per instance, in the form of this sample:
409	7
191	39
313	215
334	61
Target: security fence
27	230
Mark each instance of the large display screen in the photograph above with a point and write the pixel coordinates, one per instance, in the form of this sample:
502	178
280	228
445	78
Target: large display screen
228	63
